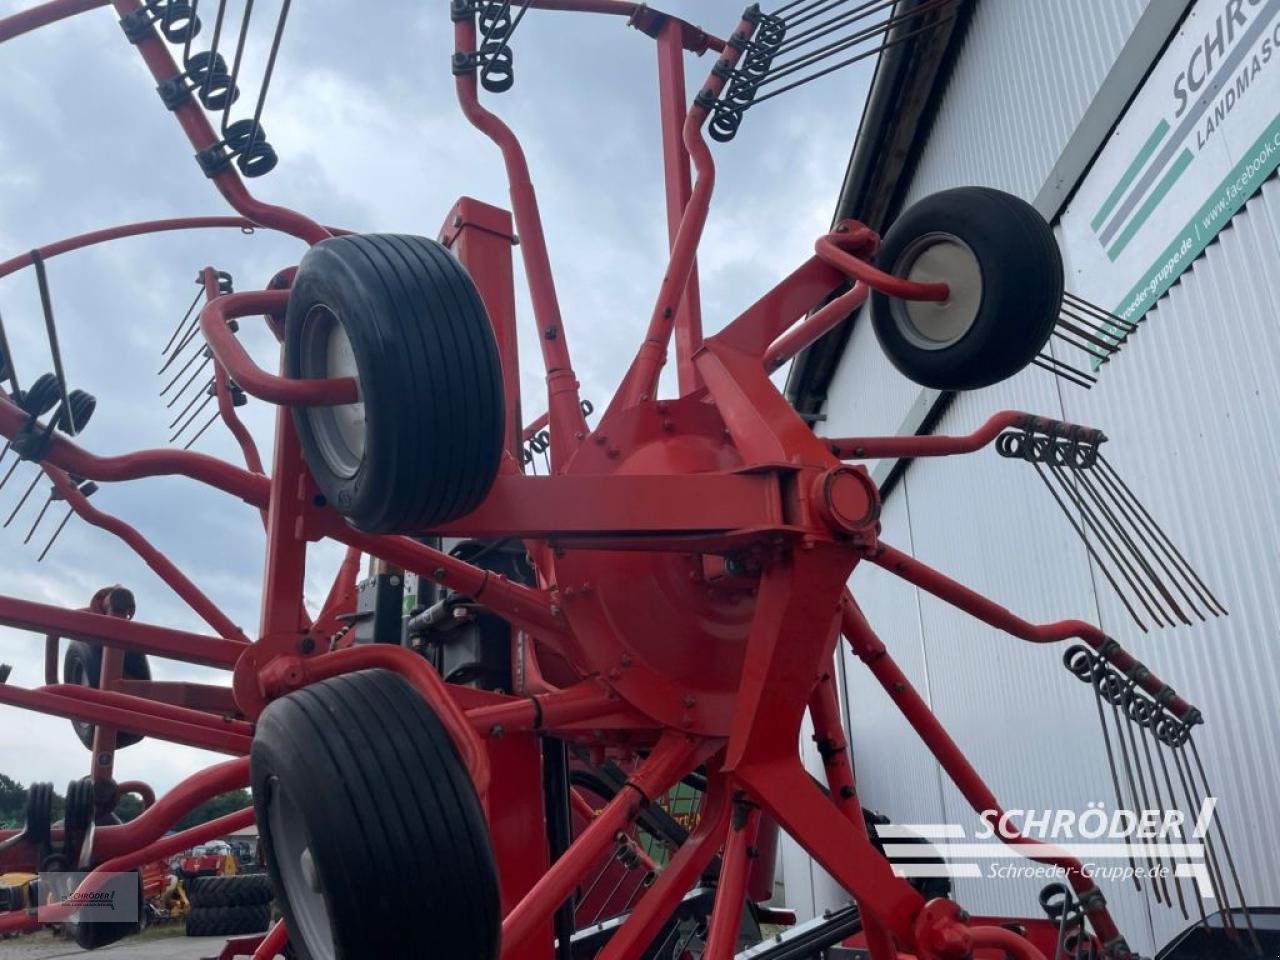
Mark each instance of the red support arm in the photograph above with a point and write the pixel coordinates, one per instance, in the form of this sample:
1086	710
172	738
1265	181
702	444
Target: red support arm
872	448
817	325
872	652
568	424
990	612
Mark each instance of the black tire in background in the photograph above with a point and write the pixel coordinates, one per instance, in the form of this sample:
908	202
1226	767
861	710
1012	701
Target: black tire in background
402	315
370	826
1005	269
82	664
91	935
240	890
227	921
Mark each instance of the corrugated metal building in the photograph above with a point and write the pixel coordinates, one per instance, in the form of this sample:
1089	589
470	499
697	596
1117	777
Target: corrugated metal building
1029	96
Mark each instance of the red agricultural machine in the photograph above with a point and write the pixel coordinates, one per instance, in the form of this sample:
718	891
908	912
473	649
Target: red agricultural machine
584	739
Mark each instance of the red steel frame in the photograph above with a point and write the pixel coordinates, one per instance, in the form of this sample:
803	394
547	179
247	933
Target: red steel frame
629	533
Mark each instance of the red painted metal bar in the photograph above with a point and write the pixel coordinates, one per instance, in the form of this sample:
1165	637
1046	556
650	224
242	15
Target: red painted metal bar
525	608
569	425
828	733
731	887
858	269
62	453
164	568
273	943
158	709
342	593
288	673
240	366
200	133
672	96
50	250
871	651
816	325
204	697
672	758
534	426
756	328
481	236
129	713
990	612
589	505
41	16
941	446
641	380
685	866
544	711
126	634
140	789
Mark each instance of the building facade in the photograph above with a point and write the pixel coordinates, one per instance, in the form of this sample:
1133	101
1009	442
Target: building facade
1146	133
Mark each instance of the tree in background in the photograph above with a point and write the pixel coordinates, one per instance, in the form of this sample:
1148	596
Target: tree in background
13	806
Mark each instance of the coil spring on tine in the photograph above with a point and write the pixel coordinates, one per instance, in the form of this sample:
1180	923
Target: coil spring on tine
494	19
176	18
214	84
725	123
1080	661
41	397
247	141
497	75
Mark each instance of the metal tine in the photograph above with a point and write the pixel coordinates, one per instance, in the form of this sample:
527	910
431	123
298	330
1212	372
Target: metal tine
844	43
196	355
200	433
1182	837
862	55
1083	348
1091	521
840	20
51	331
1114	695
1147	710
803	14
1075	314
685	941
645	882
1226	847
191	419
1139	555
31	487
1106	571
191	403
1173	575
1158	533
6	360
182	323
40	516
208	358
1064	370
1138	787
1134	703
1097	670
604	904
87	489
1211	865
9	474
1111	347
1106	315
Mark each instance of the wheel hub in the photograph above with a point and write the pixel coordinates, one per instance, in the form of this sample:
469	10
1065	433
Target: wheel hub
936	325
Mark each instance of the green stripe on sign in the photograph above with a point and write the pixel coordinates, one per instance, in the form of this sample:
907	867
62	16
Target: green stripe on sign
1139	218
1139	161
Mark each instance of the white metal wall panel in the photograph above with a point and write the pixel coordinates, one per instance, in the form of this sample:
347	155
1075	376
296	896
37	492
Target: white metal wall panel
1024	78
1190	406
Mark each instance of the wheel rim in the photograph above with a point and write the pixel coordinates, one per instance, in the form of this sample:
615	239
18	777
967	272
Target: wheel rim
291	849
325	351
936	325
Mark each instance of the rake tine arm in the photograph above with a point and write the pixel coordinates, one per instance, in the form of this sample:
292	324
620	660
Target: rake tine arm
868	648
201	134
989	612
567	420
818	324
871	448
641	379
69	457
164	568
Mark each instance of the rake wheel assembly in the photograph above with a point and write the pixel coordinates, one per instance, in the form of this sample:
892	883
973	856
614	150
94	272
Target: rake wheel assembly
684	584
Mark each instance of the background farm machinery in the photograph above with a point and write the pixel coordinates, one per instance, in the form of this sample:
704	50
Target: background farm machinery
646	621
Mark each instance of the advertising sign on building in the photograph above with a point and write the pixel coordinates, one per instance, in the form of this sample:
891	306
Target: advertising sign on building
1196	142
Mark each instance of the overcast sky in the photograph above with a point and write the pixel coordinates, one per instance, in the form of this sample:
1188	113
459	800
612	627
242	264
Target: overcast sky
363	115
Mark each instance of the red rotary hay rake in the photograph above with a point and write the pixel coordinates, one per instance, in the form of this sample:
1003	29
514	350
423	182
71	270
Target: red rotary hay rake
678	589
